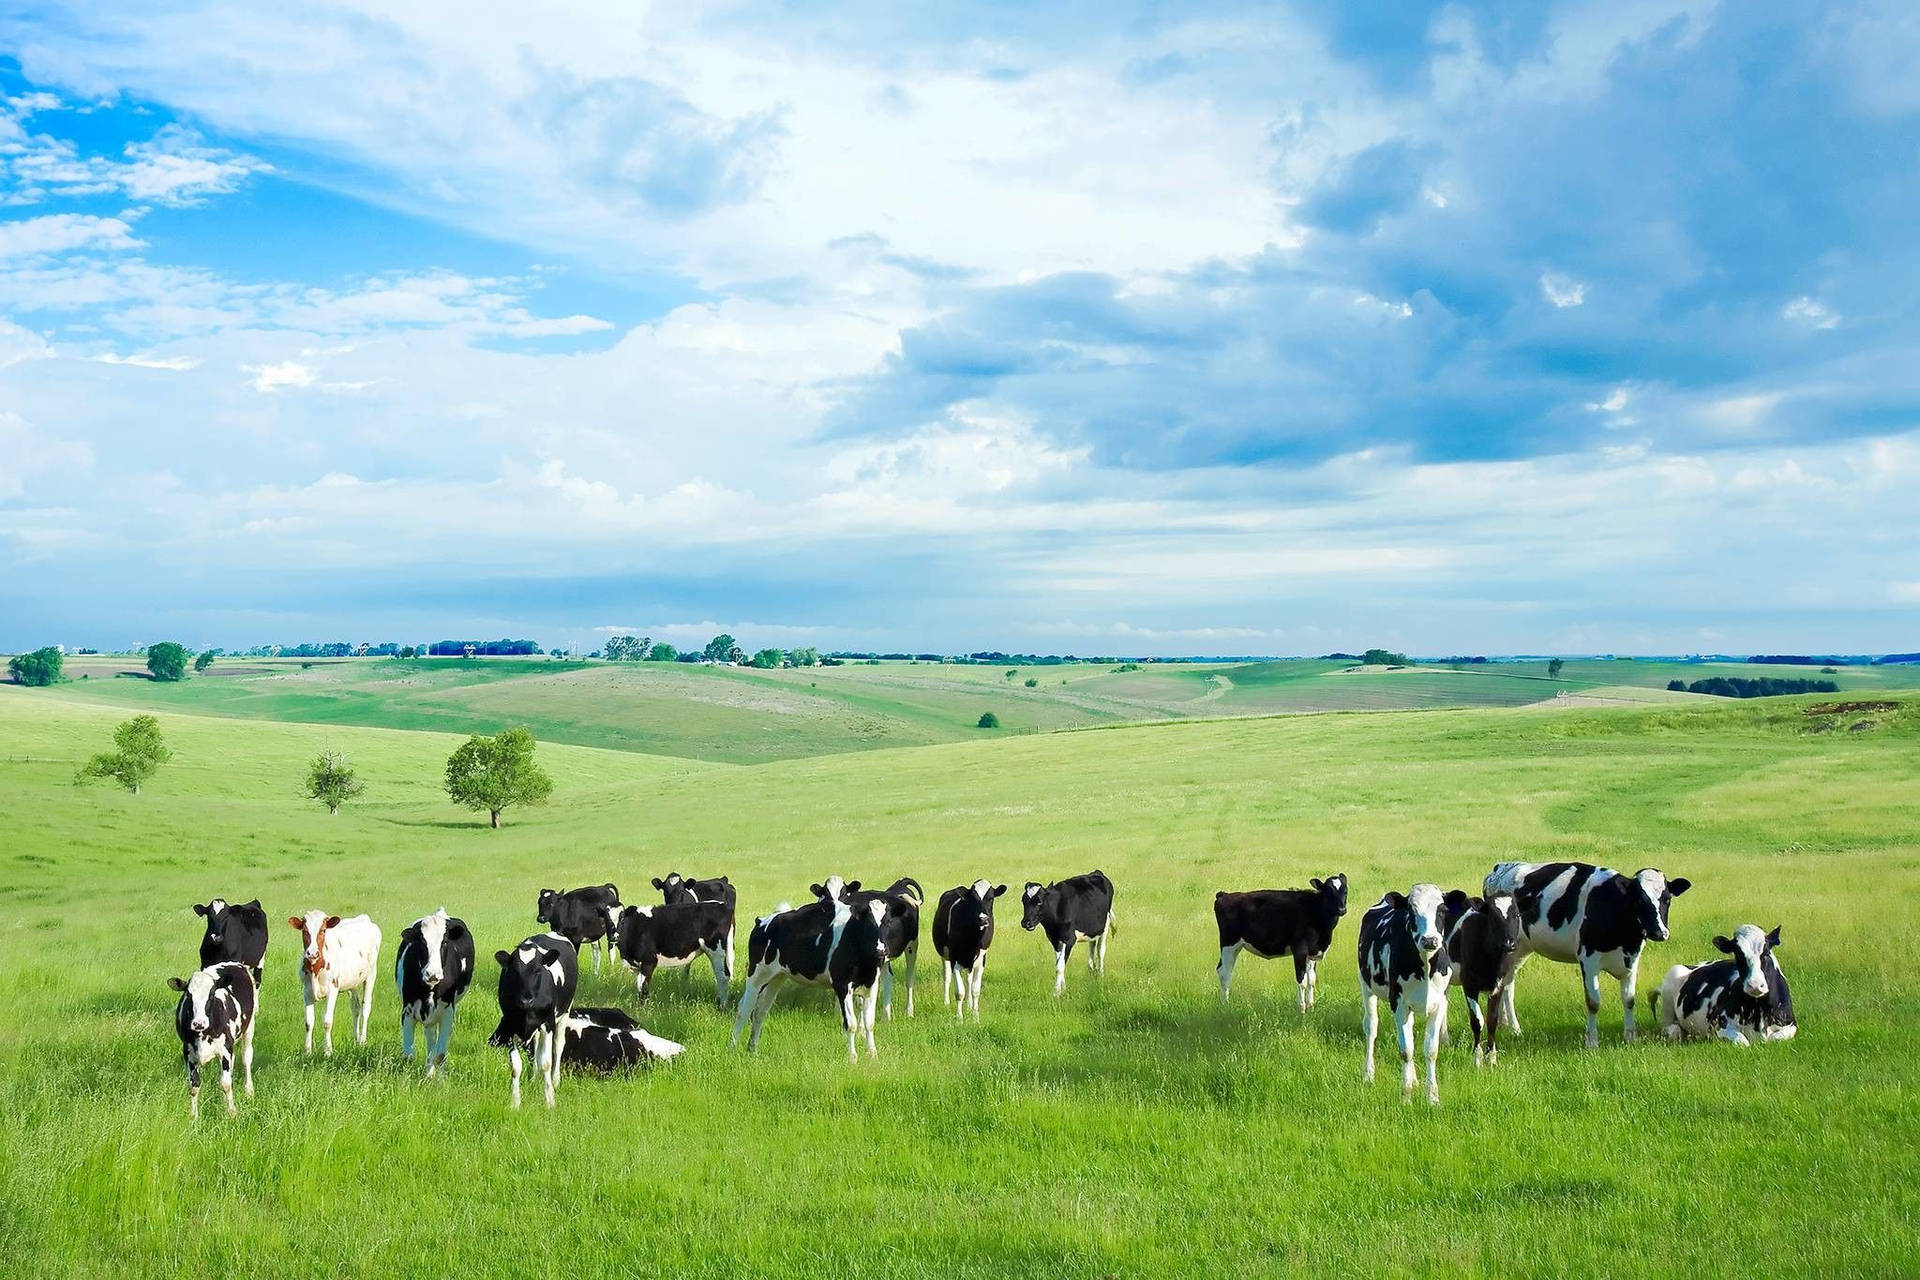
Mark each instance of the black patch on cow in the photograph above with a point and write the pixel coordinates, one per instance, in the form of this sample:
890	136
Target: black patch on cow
235	932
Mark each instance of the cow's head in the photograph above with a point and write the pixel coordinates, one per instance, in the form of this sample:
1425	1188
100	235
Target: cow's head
1433	914
1651	893
673	888
1332	891
526	984
1032	899
547	898
313	932
864	933
1750	948
196	999
981	895
436	931
1507	930
216	914
835	889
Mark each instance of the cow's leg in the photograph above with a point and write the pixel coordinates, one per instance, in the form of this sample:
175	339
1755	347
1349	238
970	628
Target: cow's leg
1302	975
406	1034
979	977
546	1050
1436	1026
946	980
886	985
872	1052
1229	956
306	1001
191	1054
1403	1032
1507	1015
226	1077
513	1064
1493	1020
1313	980
1590	980
749	995
364	1008
1732	1033
1629	981
1369	1028
1060	967
913	962
722	979
246	1057
851	1021
641	976
333	996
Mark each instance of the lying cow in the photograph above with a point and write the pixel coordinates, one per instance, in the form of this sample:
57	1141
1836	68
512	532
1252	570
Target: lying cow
537	981
1741	999
236	931
962	932
1276	922
431	973
1403	960
1077	909
585	917
1485	950
214	1018
337	955
1577	913
673	937
607	1040
826	943
901	929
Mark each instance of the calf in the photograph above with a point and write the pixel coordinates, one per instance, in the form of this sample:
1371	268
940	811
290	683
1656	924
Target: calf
337	955
1484	949
431	972
903	899
962	932
1403	958
537	982
673	937
827	943
214	1016
1577	913
1741	1000
1275	922
1077	909
584	917
607	1040
235	931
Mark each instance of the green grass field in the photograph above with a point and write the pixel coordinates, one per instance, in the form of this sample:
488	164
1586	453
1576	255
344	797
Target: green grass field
1133	1128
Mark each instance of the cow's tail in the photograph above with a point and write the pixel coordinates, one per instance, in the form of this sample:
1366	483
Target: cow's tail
910	890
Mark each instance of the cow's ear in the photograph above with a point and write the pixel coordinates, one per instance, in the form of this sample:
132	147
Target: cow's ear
1315	882
999	889
254	903
200	908
1773	939
178	984
333	922
1679	885
853	886
1723	943
1457	900
1397	900
818	890
658	883
723	879
297	922
502	957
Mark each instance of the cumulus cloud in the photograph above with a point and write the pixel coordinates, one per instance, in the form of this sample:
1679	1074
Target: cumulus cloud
62	232
1808	312
1562	291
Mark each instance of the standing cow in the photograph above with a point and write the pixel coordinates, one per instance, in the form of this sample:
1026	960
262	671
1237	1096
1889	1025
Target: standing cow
538	979
1485	950
431	972
236	931
901	928
585	917
1403	960
676	889
214	1018
337	955
1577	913
962	932
1077	909
826	943
1276	922
1741	999
673	937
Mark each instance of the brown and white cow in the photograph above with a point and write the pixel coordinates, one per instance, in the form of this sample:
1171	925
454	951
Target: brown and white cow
337	955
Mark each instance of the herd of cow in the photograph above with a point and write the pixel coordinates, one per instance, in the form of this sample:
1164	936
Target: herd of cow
1413	947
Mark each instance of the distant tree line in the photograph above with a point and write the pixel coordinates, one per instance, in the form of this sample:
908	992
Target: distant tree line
1797	660
484	648
1758	687
1897	657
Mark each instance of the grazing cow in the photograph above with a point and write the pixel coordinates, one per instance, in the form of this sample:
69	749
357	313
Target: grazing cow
962	932
676	888
1485	949
651	938
1077	909
236	931
214	1016
337	955
1276	922
1577	913
827	943
607	1040
537	982
903	898
584	917
1403	958
1740	1000
431	972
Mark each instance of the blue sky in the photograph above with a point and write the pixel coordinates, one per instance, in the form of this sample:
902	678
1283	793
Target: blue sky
1099	328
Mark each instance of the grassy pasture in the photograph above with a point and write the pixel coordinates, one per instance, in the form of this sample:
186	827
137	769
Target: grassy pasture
1133	1128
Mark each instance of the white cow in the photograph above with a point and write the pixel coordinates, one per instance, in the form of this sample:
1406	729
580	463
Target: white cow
337	955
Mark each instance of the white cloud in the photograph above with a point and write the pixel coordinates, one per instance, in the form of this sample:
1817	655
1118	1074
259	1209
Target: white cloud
138	360
63	232
1561	290
18	344
1808	312
1904	592
280	376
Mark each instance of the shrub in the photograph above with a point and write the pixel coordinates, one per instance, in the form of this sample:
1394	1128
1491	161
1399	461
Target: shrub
41	667
1035	684
137	755
988	720
1677	686
167	661
332	781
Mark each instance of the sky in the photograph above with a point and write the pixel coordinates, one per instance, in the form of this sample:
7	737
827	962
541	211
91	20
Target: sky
1120	328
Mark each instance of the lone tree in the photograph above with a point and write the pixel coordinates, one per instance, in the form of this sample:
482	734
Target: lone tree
167	661
495	773
721	648
332	781
204	661
988	720
41	667
1554	669
768	659
137	755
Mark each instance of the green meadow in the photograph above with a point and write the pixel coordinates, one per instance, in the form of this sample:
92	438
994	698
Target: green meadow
1134	1127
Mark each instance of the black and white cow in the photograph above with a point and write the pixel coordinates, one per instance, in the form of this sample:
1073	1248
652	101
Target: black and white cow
585	917
431	973
1741	1000
537	981
607	1040
1277	922
1077	909
1577	913
672	937
903	899
675	888
962	932
236	931
1485	950
1403	960
214	1019
826	943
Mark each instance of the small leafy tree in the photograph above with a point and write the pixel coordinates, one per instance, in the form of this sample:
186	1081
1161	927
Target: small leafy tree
768	659
167	660
1554	668
988	720
332	781
407	651
807	657
663	652
496	773
721	648
41	667
138	752
204	661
